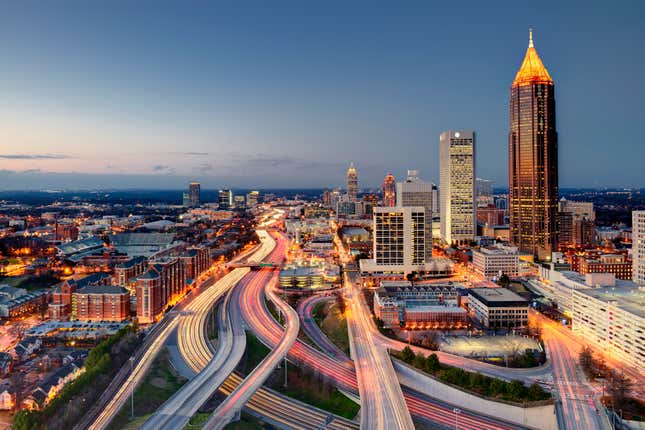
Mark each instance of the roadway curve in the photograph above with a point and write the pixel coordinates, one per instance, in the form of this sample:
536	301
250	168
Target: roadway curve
275	408
528	376
382	402
439	414
232	405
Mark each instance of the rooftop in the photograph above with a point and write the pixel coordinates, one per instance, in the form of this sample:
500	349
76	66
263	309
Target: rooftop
497	296
630	298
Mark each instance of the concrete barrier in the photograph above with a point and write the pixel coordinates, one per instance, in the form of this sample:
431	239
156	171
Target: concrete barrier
538	417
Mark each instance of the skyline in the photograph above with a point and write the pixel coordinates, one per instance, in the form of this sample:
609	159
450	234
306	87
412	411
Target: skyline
126	102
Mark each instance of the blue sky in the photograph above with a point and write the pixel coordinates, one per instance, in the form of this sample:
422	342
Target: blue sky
151	94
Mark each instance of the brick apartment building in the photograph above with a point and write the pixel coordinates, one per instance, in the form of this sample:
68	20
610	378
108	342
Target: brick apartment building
159	286
102	303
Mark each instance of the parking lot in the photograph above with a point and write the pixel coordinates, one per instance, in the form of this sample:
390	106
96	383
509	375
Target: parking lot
487	346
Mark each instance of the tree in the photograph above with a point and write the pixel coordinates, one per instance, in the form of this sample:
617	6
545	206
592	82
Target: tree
26	420
407	355
535	392
619	387
432	363
586	360
431	341
504	281
419	361
516	389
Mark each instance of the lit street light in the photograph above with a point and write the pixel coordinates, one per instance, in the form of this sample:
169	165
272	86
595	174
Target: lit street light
457	411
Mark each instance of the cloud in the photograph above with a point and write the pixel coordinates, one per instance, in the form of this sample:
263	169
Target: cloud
162	168
204	167
279	161
34	156
191	153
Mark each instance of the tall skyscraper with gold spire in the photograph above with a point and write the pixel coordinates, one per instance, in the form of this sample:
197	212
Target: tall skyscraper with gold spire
533	158
352	183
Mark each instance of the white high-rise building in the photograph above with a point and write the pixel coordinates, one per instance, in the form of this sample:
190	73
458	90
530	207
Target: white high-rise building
457	186
638	247
415	192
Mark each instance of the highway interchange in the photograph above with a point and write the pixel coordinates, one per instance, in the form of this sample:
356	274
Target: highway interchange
385	404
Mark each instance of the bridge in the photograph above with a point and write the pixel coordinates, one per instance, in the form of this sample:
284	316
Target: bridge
252	265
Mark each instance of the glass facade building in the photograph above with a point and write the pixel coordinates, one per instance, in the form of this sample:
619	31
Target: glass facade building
533	159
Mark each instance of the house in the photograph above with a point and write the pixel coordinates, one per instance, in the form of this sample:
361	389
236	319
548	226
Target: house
7	399
6	364
52	385
27	347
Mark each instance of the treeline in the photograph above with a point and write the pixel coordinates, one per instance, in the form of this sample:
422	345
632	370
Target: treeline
514	391
618	386
68	407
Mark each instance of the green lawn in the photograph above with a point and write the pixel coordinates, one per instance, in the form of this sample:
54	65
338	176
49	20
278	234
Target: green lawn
333	324
160	383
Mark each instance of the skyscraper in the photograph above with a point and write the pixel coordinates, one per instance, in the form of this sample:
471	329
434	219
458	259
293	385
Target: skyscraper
225	199
533	158
389	191
399	239
352	183
457	186
415	192
194	193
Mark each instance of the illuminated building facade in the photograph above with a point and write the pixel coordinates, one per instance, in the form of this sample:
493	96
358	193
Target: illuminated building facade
225	199
352	183
533	159
194	191
457	192
415	192
389	191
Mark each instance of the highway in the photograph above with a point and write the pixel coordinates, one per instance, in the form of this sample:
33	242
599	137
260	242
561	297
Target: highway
141	364
578	409
382	402
232	405
436	413
273	407
528	376
119	390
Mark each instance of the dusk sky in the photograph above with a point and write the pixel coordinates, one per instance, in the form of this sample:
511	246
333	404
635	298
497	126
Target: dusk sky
285	94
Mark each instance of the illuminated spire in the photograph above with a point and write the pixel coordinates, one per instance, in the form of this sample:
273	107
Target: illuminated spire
532	70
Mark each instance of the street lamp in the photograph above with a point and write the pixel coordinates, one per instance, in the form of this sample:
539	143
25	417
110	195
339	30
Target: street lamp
457	411
131	359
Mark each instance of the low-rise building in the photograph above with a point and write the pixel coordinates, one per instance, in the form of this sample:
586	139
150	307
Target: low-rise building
26	304
27	347
314	275
419	306
102	303
498	307
607	263
492	262
52	385
613	318
62	306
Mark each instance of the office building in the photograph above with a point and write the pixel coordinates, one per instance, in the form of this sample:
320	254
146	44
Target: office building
252	199
194	190
457	182
638	247
612	318
239	202
533	159
225	199
576	223
498	307
483	192
417	193
352	183
492	262
389	191
185	200
616	264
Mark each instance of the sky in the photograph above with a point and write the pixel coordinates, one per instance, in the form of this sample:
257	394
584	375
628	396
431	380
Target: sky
144	94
